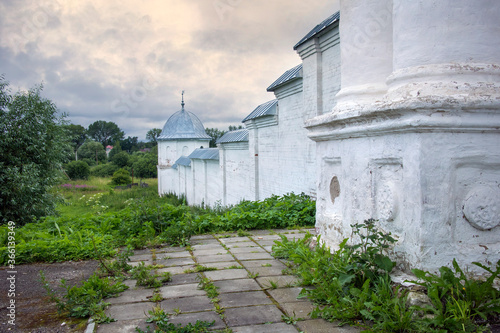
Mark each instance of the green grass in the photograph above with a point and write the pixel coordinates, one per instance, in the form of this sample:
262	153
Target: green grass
115	200
95	220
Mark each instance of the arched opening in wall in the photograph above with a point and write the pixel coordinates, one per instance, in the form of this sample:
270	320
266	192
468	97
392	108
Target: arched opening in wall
185	151
334	189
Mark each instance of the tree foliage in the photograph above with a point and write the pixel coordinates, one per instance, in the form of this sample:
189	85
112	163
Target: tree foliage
145	165
215	134
77	135
33	146
130	144
120	159
105	132
153	134
92	151
117	148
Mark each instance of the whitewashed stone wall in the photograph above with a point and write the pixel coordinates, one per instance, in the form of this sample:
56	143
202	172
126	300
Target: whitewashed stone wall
413	138
207	182
238	179
286	157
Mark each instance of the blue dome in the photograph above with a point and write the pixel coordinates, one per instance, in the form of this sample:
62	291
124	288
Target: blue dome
183	125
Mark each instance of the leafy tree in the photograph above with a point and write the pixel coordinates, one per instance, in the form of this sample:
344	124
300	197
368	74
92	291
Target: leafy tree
130	144
145	166
92	151
116	149
105	132
215	133
153	134
234	128
78	135
120	159
77	170
33	146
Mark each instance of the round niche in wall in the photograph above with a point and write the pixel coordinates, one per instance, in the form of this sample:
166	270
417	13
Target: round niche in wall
482	207
334	188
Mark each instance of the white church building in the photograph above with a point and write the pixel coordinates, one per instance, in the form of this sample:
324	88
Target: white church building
393	114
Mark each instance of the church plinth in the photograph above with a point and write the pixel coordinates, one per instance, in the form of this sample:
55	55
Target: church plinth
417	146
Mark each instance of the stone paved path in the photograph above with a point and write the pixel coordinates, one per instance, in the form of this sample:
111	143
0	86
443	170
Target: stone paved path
253	292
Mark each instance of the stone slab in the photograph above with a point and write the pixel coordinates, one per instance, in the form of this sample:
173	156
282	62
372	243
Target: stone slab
287	295
234	240
255	249
323	326
252	256
266	328
187	304
224	264
130	283
247	298
141	257
184	279
186	318
266	271
227	274
132	296
237	245
265	242
214	258
123	326
298	309
170	249
176	262
259	263
229	286
175	269
283	281
268	237
169	255
253	315
210	252
203	241
139	252
212	246
129	311
183	290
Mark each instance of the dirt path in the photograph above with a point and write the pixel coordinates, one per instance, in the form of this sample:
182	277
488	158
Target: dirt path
34	313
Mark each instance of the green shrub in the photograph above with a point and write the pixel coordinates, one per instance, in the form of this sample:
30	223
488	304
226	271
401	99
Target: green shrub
121	177
104	170
352	285
77	170
85	301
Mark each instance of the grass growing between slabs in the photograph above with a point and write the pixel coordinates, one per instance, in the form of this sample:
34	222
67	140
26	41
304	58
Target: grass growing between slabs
352	285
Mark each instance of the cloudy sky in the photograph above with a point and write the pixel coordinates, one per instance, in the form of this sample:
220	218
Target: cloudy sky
127	61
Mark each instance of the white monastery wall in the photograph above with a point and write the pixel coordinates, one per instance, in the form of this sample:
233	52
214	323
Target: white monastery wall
296	159
238	178
402	106
207	182
413	138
